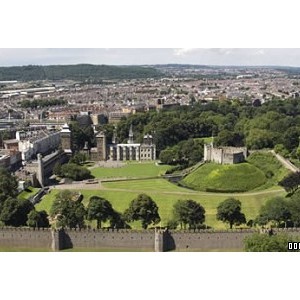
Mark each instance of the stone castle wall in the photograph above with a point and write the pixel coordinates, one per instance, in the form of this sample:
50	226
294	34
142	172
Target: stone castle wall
146	240
25	238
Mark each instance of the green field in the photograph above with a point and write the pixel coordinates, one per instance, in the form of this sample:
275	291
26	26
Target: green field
165	195
253	175
131	170
214	177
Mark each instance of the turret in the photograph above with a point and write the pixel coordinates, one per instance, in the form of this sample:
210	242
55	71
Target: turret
66	138
130	140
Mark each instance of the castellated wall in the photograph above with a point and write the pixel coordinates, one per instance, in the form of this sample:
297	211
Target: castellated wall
25	238
126	239
206	240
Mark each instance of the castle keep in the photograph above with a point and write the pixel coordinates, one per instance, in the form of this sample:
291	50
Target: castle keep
224	155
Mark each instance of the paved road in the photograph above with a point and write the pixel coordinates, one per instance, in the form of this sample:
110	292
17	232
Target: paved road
285	162
83	186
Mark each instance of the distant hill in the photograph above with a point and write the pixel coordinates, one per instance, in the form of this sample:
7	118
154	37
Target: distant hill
81	72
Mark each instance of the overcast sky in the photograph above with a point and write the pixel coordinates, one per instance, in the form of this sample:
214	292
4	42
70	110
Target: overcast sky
138	56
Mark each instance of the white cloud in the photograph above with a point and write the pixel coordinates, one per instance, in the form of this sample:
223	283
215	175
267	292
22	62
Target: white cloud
184	51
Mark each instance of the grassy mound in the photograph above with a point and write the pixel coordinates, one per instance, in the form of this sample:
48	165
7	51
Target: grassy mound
225	178
270	166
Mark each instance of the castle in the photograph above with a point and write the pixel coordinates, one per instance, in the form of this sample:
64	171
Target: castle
114	151
224	155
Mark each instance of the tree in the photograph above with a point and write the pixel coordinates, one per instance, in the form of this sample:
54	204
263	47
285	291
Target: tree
38	219
78	158
280	149
290	182
188	212
230	211
266	243
275	209
14	212
8	185
294	208
57	169
99	209
66	211
75	172
143	209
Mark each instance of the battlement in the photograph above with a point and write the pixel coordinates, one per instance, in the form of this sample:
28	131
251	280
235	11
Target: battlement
158	240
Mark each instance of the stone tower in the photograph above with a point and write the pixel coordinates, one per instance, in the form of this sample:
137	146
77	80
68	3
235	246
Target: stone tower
66	138
40	170
101	146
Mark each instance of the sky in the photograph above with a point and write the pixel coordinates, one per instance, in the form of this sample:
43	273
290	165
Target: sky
149	56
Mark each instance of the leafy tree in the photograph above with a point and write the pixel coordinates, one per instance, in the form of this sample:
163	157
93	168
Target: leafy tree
229	138
294	208
38	219
117	220
57	169
291	137
168	156
230	211
75	172
66	211
290	182
280	149
8	185
275	209
14	212
143	209
78	158
188	212
99	209
266	243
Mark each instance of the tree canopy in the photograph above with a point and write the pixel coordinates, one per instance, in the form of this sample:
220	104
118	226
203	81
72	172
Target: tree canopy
66	211
14	212
229	211
275	209
73	171
188	212
266	243
38	219
143	209
99	209
8	185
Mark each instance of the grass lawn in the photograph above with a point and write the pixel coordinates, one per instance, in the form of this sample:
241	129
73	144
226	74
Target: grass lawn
26	194
215	177
165	195
130	170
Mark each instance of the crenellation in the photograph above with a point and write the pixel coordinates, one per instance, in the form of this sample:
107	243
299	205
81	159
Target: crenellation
57	239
